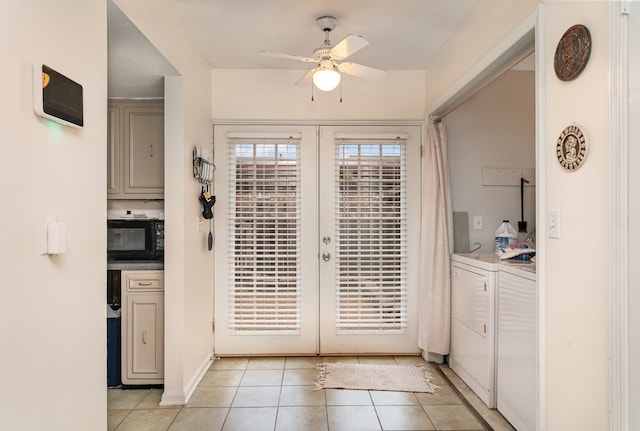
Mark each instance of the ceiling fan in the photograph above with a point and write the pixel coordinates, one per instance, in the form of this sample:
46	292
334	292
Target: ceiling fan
326	75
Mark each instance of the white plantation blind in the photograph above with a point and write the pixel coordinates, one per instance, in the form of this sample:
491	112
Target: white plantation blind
371	224
264	234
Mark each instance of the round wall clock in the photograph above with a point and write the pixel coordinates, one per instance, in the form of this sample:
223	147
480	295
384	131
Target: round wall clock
572	52
572	147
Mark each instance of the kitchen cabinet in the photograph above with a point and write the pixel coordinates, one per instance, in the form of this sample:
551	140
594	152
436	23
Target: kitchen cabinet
114	151
516	354
142	326
135	149
473	337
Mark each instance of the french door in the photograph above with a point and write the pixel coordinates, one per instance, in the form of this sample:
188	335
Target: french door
316	239
369	237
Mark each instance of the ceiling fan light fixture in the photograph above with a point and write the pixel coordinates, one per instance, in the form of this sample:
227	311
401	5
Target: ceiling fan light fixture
327	73
326	78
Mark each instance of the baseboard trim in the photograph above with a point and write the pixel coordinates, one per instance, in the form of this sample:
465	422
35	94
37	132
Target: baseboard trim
183	397
172	399
197	377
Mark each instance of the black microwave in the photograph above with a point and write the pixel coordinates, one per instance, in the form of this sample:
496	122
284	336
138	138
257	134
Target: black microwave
135	240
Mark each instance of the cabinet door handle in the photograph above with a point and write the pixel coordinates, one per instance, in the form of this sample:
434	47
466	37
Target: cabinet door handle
144	283
151	150
144	337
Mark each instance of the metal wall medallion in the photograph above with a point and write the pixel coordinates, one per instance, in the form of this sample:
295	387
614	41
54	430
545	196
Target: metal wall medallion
572	147
572	52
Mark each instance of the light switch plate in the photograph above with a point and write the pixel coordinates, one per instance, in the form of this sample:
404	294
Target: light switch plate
45	221
553	223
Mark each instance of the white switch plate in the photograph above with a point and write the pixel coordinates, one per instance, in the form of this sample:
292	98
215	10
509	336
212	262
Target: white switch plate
477	222
45	221
553	223
56	238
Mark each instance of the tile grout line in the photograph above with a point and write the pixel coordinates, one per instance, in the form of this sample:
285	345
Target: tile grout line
466	402
296	382
244	373
373	404
275	423
324	392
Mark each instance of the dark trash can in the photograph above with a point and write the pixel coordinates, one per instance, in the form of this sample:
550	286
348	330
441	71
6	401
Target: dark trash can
113	351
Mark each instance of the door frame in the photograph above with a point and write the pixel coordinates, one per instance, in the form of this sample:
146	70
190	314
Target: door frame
306	343
220	157
362	343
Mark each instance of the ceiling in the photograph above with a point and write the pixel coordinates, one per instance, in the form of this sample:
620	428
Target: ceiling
402	35
135	68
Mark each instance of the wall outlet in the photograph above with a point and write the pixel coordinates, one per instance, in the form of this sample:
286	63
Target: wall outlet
477	222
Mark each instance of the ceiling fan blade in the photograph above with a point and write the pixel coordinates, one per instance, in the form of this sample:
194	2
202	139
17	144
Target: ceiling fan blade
306	79
286	56
348	46
366	72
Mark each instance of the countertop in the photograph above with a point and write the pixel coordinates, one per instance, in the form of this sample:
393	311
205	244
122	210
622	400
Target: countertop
124	265
491	262
487	261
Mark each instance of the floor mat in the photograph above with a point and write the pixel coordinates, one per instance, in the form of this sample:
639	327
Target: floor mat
398	378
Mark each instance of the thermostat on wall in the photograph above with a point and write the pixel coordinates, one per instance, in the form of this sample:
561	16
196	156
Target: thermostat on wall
57	97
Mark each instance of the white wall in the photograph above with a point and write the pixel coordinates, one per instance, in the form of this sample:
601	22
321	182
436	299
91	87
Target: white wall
272	95
575	304
188	263
53	317
480	32
53	321
634	216
573	377
493	129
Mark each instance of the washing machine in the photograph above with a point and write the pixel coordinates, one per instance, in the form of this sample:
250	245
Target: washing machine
516	353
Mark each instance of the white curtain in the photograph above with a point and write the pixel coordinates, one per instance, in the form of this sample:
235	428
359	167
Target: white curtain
436	235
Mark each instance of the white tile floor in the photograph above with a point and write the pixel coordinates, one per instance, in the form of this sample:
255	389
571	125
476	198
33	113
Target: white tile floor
278	394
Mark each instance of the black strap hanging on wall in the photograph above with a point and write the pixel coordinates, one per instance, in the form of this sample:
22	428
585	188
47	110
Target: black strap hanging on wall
207	200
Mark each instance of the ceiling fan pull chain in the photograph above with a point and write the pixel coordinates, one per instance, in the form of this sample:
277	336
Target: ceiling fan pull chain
341	91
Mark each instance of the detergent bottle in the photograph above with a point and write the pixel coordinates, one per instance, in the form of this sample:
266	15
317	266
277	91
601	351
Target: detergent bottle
505	235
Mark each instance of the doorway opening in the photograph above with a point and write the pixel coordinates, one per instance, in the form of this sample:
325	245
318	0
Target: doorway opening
318	255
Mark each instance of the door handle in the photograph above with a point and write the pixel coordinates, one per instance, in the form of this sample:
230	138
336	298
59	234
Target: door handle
144	337
326	256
